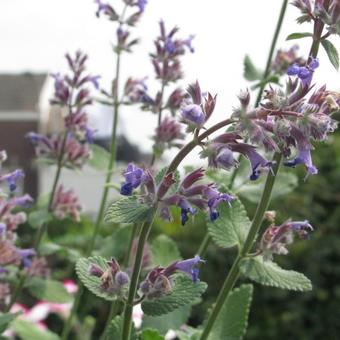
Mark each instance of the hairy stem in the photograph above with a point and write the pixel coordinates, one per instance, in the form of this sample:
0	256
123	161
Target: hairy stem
254	229
103	201
272	49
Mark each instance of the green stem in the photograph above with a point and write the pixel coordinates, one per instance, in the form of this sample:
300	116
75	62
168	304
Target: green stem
254	229
113	151
143	236
272	49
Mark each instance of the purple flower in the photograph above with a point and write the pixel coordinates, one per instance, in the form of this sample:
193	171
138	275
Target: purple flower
293	70
122	278
188	43
276	238
12	178
186	208
189	267
170	46
23	201
106	9
225	159
305	73
193	114
257	162
141	4
25	255
3	228
215	198
303	157
134	177
90	135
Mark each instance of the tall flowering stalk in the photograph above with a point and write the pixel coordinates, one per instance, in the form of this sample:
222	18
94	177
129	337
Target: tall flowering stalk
69	148
123	44
304	158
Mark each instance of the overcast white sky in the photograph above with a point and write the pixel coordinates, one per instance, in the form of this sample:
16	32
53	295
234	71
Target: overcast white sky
35	34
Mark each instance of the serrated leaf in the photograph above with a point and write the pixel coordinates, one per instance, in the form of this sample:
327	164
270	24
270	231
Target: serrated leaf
115	329
100	158
177	178
91	282
232	226
37	218
48	290
189	333
164	251
299	35
151	334
250	71
172	320
28	331
268	273
184	293
232	321
128	210
286	182
6	319
332	53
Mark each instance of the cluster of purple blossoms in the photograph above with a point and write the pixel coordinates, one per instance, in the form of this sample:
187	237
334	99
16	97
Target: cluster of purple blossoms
276	238
285	58
167	135
123	34
220	153
159	280
327	11
10	219
72	92
66	203
113	280
188	196
166	59
196	113
287	119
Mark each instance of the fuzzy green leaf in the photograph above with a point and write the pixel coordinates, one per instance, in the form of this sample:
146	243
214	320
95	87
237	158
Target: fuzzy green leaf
164	251
91	282
184	293
299	35
127	210
28	331
251	73
286	182
38	217
232	227
48	290
6	319
232	321
115	329
151	334
268	273
172	320
332	53
100	157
